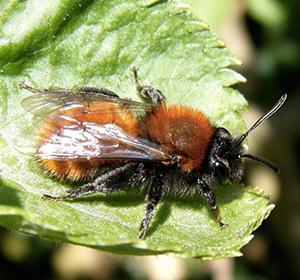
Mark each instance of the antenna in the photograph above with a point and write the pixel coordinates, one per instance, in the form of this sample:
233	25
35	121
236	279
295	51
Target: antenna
262	160
275	108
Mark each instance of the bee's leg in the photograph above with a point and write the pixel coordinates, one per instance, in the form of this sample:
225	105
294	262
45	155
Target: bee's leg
154	195
210	198
95	89
148	92
112	181
32	89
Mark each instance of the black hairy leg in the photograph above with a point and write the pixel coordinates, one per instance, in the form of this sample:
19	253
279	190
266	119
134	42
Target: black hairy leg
155	193
109	182
210	198
95	89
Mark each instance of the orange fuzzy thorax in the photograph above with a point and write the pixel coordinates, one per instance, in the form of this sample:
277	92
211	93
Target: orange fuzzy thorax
182	131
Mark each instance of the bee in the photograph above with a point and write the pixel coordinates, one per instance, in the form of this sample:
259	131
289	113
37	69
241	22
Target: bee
113	144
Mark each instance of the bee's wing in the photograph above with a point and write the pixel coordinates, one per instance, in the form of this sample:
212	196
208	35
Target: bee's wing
46	101
93	141
83	140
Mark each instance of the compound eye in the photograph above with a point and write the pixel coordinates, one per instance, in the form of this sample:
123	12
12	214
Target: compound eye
222	172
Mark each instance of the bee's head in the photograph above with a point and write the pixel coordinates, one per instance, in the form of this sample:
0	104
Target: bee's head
226	153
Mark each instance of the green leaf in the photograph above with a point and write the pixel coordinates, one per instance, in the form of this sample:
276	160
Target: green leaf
53	44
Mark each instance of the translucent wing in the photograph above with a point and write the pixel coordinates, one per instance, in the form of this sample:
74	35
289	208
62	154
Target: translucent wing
93	141
46	101
83	139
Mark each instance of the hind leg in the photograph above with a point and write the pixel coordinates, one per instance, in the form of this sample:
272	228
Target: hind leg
112	181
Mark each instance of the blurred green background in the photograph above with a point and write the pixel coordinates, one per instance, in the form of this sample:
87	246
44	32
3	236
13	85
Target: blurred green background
265	36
